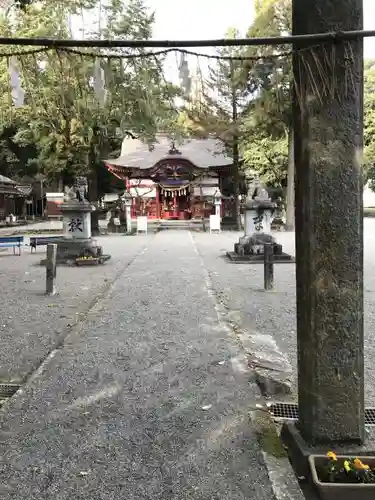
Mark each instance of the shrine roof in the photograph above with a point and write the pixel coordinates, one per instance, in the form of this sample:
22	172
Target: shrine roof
201	153
6	180
9	187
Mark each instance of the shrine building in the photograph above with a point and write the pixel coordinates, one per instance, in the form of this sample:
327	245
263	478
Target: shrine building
168	181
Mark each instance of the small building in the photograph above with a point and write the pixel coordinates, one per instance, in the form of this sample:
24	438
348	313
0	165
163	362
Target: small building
12	198
169	181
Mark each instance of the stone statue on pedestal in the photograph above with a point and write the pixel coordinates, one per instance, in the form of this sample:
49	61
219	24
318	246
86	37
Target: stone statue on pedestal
81	189
78	192
77	241
259	211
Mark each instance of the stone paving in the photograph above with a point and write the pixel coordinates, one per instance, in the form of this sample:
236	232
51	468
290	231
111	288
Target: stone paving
146	399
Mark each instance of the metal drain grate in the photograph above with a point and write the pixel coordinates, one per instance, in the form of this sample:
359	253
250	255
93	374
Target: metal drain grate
289	411
7	391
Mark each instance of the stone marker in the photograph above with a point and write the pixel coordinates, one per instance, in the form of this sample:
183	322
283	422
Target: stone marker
217	202
128	200
51	269
268	266
77	241
259	211
328	128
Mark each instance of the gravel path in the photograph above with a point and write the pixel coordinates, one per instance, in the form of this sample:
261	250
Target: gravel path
52	225
31	323
240	288
146	401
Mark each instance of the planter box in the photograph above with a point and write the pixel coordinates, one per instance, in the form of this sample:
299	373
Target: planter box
87	262
341	491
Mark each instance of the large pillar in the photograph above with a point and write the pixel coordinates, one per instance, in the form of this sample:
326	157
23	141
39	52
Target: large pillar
328	130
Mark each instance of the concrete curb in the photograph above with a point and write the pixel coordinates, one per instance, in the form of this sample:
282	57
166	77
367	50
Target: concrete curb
282	478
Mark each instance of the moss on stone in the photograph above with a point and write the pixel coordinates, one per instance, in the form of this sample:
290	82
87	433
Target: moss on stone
270	442
268	438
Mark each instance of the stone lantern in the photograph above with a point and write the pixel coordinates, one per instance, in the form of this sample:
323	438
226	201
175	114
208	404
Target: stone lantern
217	202
128	200
259	210
77	240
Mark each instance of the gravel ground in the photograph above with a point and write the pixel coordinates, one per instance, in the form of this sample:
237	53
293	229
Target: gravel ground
146	401
52	225
31	323
240	288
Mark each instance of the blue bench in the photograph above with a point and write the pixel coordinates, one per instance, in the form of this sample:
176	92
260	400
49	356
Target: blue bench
12	241
38	241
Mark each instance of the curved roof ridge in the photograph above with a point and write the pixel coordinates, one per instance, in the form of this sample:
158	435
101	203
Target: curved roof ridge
201	153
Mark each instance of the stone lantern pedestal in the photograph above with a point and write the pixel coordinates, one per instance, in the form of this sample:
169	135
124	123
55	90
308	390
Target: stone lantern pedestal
258	217
77	241
128	200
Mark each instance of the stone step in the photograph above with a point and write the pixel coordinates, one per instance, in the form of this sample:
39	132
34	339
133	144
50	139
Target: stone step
182	224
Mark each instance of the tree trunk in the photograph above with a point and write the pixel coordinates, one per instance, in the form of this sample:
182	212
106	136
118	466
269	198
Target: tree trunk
236	189
235	154
289	226
93	198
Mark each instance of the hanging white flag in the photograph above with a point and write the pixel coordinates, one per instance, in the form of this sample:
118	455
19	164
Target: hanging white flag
99	89
17	92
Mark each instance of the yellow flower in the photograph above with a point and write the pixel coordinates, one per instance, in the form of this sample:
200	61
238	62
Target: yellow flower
347	466
359	465
332	455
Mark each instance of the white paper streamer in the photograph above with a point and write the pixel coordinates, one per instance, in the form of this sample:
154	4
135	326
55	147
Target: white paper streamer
184	74
17	92
99	89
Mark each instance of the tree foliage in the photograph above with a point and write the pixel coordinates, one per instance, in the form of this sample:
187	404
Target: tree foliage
64	126
261	91
268	118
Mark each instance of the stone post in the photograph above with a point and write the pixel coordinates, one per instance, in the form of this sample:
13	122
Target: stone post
51	269
128	220
328	133
268	266
217	201
128	200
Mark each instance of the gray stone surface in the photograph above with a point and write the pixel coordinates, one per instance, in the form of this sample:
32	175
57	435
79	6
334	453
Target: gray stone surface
328	145
146	400
32	323
240	288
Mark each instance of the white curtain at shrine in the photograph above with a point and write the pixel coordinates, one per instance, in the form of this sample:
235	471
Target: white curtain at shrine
170	190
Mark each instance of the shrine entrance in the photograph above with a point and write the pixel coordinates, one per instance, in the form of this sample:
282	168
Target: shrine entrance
174	200
166	183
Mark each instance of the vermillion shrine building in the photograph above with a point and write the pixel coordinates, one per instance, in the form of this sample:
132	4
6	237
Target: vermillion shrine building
169	181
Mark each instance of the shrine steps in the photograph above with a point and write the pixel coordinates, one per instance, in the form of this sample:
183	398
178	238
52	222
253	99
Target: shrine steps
198	225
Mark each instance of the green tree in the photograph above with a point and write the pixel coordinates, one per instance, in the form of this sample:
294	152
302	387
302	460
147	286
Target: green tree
268	141
62	116
220	109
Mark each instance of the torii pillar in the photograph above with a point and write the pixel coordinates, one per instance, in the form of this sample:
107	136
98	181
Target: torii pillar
328	131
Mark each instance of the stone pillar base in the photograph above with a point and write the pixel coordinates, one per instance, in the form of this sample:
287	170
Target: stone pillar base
299	450
251	249
68	250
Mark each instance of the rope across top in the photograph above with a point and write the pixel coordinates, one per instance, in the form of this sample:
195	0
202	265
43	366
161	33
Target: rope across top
176	44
